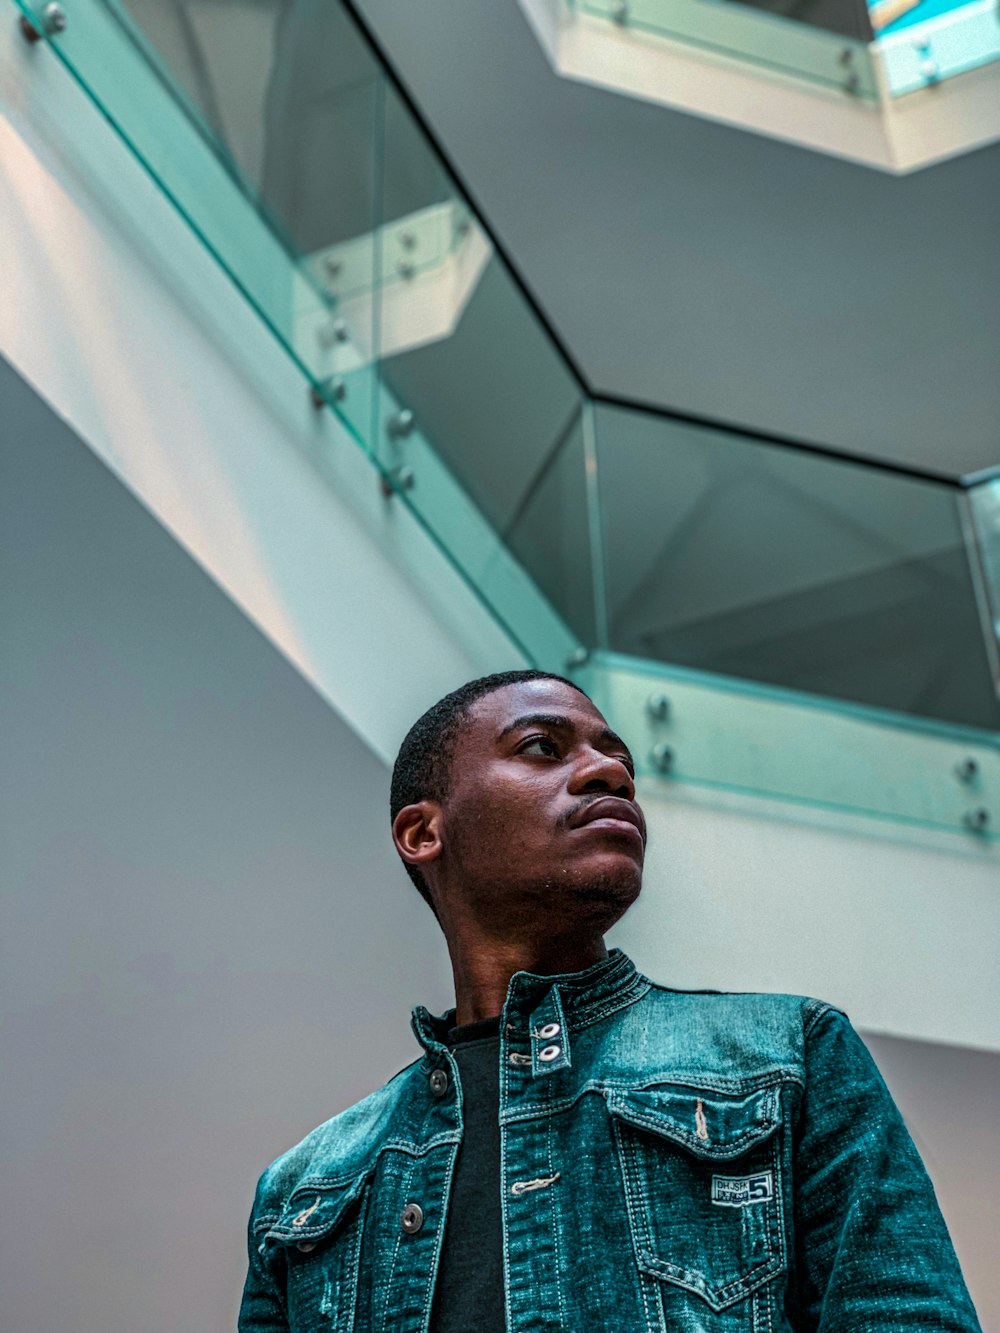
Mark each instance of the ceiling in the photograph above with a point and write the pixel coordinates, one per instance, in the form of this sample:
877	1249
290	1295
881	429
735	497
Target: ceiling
702	268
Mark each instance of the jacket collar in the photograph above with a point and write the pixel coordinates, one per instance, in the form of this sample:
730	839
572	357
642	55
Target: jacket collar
570	999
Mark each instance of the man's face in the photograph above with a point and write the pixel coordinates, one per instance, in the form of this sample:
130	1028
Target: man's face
541	806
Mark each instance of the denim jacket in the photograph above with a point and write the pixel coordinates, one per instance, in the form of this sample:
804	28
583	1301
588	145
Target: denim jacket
670	1159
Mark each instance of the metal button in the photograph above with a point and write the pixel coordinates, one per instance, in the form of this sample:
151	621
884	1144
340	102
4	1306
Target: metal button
549	1053
439	1082
305	1245
550	1030
412	1219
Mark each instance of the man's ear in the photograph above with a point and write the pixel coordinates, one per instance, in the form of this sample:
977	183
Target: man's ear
416	831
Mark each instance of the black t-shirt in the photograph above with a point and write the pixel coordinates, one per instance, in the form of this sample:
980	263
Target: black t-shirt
469	1296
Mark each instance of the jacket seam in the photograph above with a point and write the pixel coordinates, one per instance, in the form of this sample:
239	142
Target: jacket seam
822	1009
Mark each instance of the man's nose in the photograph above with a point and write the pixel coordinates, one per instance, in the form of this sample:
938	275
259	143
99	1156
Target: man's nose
602	772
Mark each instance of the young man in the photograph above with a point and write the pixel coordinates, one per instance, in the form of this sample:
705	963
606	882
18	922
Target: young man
578	1148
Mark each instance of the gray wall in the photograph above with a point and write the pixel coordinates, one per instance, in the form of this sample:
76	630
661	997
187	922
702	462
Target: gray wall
202	915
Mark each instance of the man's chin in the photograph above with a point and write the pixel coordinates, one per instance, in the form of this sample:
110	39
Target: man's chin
614	889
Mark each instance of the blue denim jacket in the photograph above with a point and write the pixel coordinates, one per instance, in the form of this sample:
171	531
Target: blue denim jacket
670	1160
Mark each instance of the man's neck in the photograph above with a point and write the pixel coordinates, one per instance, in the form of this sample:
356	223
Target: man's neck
482	968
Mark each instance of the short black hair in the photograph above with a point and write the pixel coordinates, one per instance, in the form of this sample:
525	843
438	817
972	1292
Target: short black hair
422	769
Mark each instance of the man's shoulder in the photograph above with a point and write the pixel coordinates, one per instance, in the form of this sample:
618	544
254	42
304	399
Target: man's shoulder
727	1031
336	1151
765	1007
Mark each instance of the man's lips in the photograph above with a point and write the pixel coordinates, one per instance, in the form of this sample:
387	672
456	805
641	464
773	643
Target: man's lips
614	809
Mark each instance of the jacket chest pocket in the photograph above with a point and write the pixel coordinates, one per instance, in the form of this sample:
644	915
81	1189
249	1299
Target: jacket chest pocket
320	1231
701	1173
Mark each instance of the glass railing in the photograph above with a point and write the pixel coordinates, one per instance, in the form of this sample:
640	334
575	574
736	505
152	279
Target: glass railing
793	569
833	43
787	38
755	617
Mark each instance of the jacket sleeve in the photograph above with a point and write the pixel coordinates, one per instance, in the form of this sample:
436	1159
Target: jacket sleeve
262	1309
872	1250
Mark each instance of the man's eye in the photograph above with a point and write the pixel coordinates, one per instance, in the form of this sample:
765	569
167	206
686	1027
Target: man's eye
540	745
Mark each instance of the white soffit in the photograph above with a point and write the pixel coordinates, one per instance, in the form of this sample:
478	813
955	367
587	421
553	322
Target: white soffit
896	134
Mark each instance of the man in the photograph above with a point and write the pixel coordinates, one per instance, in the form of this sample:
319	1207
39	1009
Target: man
578	1148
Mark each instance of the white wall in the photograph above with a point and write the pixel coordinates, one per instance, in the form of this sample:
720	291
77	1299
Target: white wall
896	926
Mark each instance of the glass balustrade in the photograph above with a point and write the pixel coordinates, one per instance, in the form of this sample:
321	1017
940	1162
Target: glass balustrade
788	568
832	53
831	43
754	617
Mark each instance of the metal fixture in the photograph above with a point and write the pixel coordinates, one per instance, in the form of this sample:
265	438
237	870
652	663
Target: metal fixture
620	14
405	268
663	758
53	22
412	1218
398	479
328	390
977	821
337	332
408	240
334	267
967	770
852	81
401	424
579	657
658	707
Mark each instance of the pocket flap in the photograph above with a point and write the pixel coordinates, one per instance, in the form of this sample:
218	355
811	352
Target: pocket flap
315	1209
705	1122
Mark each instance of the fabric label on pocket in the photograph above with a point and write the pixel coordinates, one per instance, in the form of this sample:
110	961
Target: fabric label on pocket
741	1191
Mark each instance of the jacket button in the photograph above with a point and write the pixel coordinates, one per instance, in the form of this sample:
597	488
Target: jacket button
412	1219
439	1082
549	1053
305	1245
549	1030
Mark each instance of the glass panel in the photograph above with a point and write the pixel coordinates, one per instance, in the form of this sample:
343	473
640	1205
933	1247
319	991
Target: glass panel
471	386
983	508
849	18
836	59
922	42
550	536
260	123
776	565
689	728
